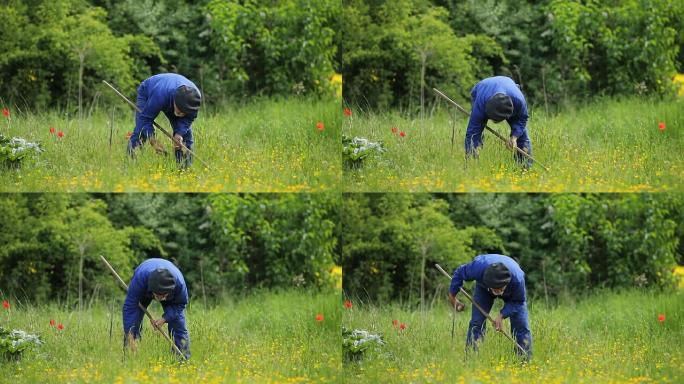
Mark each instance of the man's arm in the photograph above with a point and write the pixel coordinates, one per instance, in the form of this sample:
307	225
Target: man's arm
173	309
515	303
465	272
519	122
136	290
144	120
181	127
473	136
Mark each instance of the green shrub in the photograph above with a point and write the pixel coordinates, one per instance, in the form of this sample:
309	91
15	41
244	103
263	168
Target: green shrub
356	150
16	149
15	342
355	343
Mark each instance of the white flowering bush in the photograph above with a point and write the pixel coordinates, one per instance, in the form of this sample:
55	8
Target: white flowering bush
355	343
16	149
356	150
13	343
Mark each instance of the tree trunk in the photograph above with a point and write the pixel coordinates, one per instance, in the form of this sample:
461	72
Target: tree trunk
546	101
546	292
423	254
423	61
204	292
81	250
204	96
111	128
81	60
111	320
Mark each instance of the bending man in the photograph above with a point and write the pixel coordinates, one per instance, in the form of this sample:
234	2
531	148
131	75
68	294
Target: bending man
498	98
160	280
179	99
496	276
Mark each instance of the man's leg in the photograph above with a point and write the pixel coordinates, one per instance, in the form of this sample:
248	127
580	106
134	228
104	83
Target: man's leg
520	329
478	322
179	332
473	141
139	136
132	319
525	145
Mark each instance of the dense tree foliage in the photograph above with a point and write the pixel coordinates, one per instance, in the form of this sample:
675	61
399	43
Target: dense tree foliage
54	50
558	50
283	47
224	244
565	243
49	46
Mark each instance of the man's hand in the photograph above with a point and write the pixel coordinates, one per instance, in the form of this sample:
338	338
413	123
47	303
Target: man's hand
132	343
158	146
512	142
158	323
177	141
455	303
475	153
498	322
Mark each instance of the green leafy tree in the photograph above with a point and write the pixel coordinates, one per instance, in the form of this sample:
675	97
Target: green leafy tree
567	244
272	240
54	251
394	48
280	48
605	48
59	52
178	31
392	241
90	234
436	240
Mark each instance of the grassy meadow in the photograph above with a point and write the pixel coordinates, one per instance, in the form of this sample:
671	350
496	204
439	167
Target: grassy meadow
264	146
606	146
607	338
266	338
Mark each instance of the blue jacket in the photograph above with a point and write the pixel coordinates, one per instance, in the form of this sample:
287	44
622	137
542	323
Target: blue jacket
514	295
156	94
137	289
482	92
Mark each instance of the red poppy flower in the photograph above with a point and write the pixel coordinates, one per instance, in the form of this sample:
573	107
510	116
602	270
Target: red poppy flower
394	130
319	317
60	134
5	304
52	130
320	126
5	112
347	112
394	323
402	326
661	317
347	304
661	126
52	322
402	134
60	326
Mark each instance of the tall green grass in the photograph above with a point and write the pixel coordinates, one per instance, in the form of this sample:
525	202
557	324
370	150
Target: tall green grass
604	146
607	338
269	337
266	145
